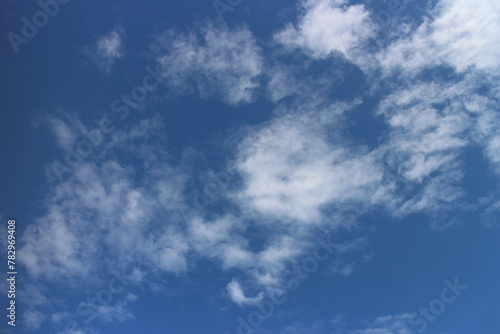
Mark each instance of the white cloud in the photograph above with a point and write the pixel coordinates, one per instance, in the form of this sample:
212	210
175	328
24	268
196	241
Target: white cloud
66	127
33	320
305	82
117	312
216	61
461	34
491	212
328	27
107	49
466	32
487	128
101	208
392	324
409	54
65	136
168	251
430	124
350	254
238	296
78	331
424	138
221	239
343	269
291	170
109	45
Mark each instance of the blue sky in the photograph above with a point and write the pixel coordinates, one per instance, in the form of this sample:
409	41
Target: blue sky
319	166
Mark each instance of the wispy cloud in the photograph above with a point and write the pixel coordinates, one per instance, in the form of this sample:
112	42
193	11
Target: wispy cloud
328	27
298	172
107	49
100	210
292	169
238	296
392	324
213	61
460	33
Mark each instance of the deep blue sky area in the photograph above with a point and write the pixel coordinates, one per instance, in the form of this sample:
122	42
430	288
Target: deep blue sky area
236	166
